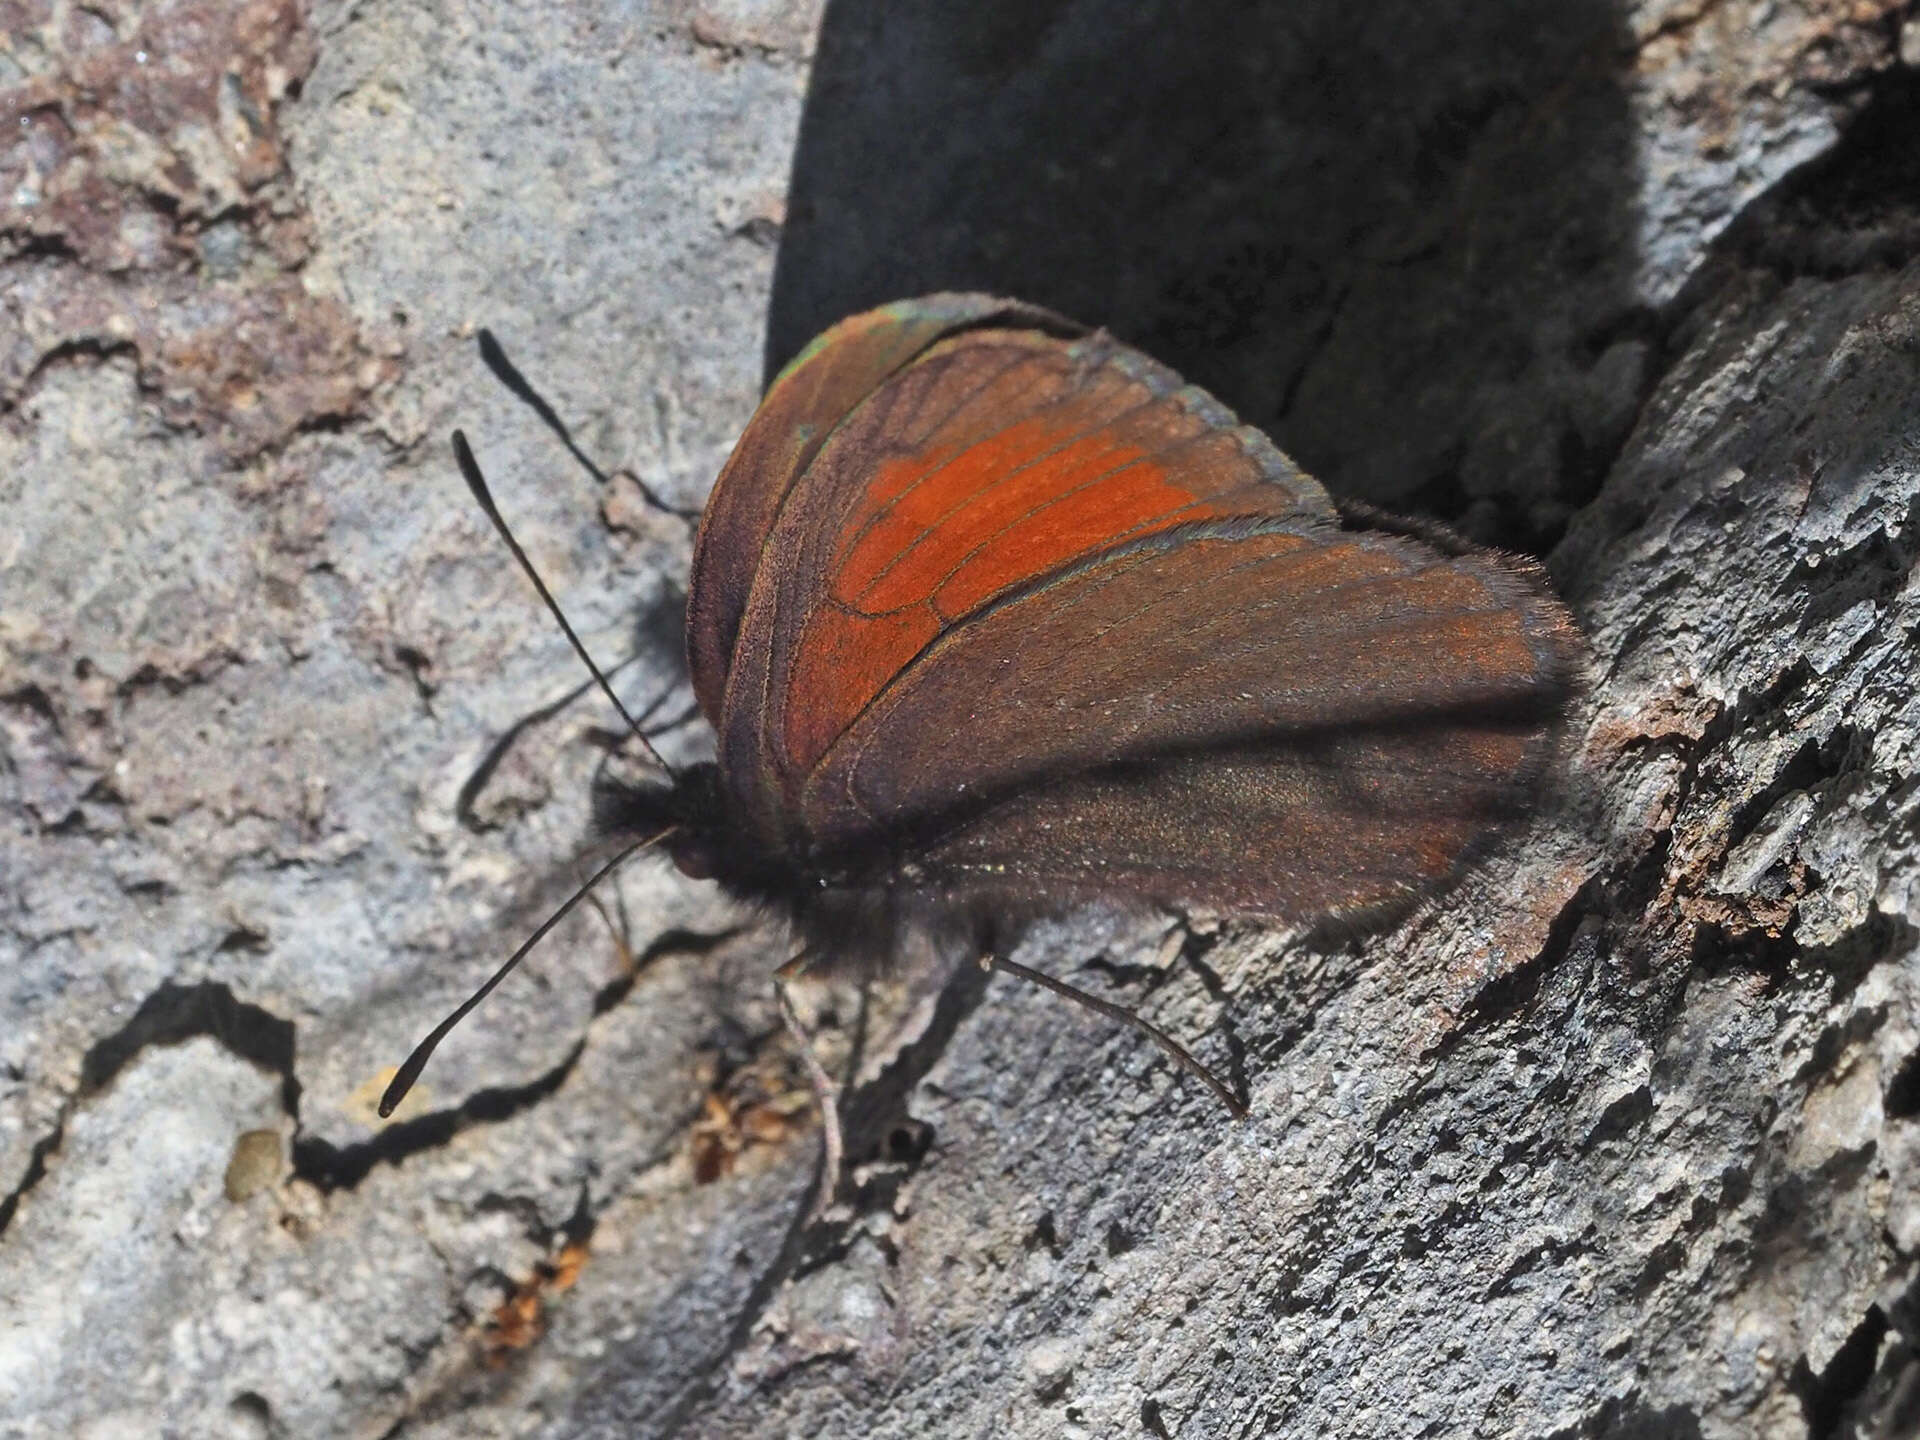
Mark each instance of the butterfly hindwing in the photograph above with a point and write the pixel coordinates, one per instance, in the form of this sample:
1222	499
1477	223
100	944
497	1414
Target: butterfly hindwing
1224	636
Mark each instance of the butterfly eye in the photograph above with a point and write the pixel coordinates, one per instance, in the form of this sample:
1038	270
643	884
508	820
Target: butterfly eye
693	858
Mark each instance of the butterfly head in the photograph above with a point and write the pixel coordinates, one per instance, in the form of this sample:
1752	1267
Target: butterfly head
705	839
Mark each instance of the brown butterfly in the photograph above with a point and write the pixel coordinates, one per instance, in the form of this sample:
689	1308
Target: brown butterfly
993	616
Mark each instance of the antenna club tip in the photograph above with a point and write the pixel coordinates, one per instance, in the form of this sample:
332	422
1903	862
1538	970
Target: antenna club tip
396	1091
400	1085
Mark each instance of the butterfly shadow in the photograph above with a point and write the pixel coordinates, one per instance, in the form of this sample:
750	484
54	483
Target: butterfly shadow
1401	238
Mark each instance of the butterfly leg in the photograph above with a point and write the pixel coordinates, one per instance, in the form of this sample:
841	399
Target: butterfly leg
824	1090
1179	1053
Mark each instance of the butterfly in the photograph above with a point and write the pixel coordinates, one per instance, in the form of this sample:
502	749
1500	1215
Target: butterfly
993	616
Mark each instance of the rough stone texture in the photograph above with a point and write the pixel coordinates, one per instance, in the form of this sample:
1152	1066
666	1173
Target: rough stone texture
1617	1139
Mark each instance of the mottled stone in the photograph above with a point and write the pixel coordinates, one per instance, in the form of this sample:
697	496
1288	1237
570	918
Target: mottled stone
1618	1138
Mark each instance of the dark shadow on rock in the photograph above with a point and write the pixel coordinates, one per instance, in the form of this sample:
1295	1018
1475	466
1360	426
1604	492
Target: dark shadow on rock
1401	237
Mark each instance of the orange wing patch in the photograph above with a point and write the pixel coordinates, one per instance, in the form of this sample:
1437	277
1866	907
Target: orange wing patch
1094	456
819	389
862	653
967	560
996	459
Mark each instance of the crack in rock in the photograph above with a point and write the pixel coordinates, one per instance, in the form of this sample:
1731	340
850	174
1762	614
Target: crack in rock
171	1015
331	1167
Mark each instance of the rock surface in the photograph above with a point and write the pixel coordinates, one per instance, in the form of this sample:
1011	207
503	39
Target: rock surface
1616	1139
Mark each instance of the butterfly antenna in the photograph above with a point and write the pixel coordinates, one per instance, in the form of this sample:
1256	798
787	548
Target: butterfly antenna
409	1071
1175	1050
508	374
470	469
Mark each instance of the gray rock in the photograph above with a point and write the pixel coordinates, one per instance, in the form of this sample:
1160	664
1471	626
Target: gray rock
1614	1139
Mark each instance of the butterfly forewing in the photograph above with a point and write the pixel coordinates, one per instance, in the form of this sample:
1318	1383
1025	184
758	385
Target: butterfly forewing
997	459
809	398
